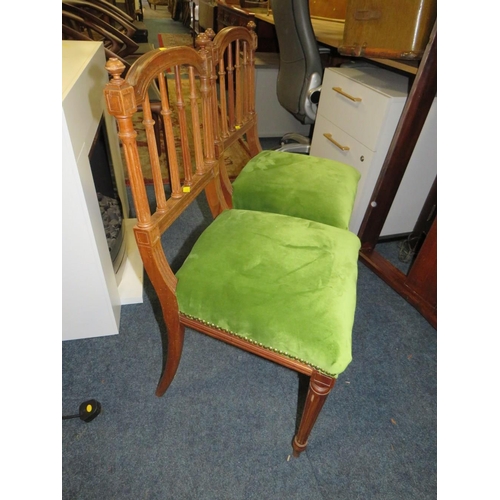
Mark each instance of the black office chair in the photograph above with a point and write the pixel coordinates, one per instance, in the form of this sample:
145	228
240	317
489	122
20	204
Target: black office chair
301	70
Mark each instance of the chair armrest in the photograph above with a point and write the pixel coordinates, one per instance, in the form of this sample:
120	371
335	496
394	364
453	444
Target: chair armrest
312	97
313	94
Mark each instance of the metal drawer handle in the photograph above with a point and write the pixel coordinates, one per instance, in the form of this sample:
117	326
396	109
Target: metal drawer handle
333	141
340	91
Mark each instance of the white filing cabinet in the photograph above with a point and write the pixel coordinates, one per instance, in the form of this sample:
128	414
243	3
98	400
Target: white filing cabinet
358	113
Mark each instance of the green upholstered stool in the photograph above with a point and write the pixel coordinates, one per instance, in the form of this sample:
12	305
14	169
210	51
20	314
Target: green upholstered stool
284	283
303	186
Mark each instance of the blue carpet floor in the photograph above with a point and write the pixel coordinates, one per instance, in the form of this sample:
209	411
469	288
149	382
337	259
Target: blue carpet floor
160	21
224	428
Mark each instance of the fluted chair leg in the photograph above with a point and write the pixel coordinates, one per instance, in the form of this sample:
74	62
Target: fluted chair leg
319	388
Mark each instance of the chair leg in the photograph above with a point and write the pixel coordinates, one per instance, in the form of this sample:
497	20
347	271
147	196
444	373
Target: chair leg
319	388
173	357
164	282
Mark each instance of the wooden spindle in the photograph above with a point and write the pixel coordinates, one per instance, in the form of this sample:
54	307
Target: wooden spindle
208	132
251	82
154	159
222	96
212	53
183	129
205	42
239	97
244	77
166	112
195	119
128	136
230	85
251	65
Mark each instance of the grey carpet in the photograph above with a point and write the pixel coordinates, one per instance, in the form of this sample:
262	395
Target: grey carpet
160	21
224	428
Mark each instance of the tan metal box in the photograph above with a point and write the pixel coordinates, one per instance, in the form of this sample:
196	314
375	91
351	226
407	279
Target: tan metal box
388	29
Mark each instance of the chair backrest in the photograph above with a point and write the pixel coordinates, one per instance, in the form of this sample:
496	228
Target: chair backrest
182	76
300	67
233	90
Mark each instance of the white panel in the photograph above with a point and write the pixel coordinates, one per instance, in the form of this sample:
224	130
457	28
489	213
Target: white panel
90	304
92	298
417	181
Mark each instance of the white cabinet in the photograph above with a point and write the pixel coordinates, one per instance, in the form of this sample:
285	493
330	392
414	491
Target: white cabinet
92	294
358	113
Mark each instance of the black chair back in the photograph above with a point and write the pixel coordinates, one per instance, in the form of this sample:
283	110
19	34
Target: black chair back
300	63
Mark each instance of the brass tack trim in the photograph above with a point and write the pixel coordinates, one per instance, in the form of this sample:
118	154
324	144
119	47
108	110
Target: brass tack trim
251	341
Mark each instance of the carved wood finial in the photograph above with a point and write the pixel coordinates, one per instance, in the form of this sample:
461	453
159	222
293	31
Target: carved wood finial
210	32
251	26
203	40
115	68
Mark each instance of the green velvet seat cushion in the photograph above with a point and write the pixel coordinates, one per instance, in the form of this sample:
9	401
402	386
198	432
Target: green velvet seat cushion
285	283
299	185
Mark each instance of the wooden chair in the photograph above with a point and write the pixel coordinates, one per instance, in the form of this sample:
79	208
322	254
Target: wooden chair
75	28
272	181
279	287
98	29
108	12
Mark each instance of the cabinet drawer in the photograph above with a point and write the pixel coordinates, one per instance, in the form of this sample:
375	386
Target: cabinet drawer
417	181
330	141
359	101
357	155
